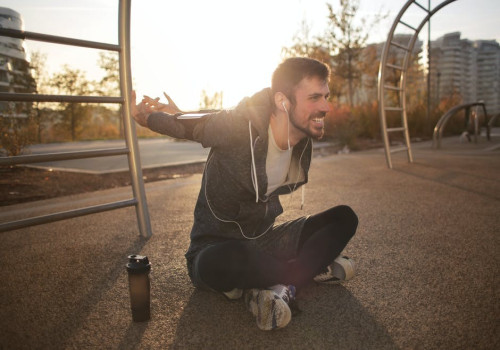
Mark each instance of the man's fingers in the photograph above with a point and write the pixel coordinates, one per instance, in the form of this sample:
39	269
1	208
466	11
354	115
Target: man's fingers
133	97
169	100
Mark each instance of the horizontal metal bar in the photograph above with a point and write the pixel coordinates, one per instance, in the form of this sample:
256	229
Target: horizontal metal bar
393	108
407	25
394	66
16	97
38	220
390	87
50	157
400	46
399	149
20	34
395	129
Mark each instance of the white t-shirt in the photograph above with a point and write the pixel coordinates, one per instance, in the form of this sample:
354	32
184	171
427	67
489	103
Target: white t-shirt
277	164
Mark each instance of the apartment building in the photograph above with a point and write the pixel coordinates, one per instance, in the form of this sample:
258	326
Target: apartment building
15	73
488	74
466	69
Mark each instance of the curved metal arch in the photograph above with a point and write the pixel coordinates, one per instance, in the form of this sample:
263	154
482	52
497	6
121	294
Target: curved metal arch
402	82
438	129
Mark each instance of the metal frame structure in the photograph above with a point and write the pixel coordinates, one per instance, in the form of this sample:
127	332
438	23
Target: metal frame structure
131	149
403	68
438	129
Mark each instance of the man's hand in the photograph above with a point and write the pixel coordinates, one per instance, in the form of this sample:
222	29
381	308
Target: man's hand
140	112
156	106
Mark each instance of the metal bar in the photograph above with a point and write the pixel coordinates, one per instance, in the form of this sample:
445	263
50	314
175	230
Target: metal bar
38	220
16	97
20	34
50	157
438	129
396	129
407	25
400	46
394	66
381	82
129	127
399	149
423	8
390	87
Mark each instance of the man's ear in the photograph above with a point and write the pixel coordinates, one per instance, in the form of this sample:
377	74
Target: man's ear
281	102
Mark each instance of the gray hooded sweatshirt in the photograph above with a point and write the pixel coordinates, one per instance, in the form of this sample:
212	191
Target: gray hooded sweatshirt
232	203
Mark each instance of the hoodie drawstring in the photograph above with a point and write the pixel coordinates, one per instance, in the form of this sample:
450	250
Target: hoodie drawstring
253	170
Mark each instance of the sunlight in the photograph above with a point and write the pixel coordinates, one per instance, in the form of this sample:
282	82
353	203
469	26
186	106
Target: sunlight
195	52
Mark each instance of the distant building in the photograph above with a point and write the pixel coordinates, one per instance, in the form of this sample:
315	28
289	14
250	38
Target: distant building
488	74
469	70
15	73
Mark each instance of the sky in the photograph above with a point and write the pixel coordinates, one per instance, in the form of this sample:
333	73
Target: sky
187	46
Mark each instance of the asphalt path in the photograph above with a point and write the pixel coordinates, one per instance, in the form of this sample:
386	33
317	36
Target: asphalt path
426	252
155	152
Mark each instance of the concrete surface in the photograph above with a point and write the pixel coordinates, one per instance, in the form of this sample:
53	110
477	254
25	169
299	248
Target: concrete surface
427	251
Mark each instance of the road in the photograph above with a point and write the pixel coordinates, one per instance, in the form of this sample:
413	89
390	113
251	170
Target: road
153	153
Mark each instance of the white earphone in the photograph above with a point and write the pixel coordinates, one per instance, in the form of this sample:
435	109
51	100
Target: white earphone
283	104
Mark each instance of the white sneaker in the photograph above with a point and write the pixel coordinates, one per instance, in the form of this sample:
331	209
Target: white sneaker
233	294
271	306
342	269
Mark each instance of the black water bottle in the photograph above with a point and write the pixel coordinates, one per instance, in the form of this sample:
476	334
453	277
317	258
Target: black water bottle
138	269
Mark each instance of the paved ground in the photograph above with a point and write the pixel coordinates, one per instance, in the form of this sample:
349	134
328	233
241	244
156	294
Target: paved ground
427	251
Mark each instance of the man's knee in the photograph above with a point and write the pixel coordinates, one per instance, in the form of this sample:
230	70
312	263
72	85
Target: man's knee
349	219
350	215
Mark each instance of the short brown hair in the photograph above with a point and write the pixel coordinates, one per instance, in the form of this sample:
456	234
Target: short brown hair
291	72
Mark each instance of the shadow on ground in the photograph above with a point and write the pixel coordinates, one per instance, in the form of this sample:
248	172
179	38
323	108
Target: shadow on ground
344	323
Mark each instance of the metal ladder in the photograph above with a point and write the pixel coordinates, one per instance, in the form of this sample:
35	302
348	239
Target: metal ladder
131	149
384	87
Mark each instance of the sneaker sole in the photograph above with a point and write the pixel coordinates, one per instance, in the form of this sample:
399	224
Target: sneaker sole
343	269
270	311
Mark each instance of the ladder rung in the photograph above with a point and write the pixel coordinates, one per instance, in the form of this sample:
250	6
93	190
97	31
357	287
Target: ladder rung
407	25
390	87
393	108
394	66
399	149
400	46
423	8
395	129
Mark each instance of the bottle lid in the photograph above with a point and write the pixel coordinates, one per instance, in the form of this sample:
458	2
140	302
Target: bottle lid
138	264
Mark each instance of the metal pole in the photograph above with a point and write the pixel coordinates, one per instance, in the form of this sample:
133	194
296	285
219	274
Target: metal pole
429	68
129	126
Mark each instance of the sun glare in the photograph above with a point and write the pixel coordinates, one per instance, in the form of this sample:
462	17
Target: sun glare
195	52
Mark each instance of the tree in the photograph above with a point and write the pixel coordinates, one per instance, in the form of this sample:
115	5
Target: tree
341	47
345	39
305	46
211	102
38	71
72	82
16	133
110	82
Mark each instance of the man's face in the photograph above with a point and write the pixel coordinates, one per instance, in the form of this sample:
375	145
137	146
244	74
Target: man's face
307	117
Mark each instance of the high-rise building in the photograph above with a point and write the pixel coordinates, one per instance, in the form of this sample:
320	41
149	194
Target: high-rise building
467	70
488	74
15	73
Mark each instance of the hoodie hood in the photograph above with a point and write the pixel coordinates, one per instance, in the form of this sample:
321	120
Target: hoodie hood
257	109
